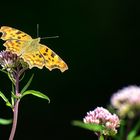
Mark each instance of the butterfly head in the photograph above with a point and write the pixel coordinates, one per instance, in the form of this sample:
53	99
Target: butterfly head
35	41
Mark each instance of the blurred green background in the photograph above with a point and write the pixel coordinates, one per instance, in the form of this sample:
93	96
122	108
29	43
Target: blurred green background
99	40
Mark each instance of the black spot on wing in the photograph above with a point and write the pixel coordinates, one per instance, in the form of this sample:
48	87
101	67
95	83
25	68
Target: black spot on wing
46	49
44	53
19	32
40	56
24	35
53	54
18	42
12	35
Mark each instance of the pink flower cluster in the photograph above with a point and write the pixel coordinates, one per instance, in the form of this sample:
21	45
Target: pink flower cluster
127	101
103	117
7	59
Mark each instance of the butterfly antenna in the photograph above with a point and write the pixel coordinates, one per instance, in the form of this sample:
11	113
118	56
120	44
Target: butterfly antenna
45	37
50	37
37	30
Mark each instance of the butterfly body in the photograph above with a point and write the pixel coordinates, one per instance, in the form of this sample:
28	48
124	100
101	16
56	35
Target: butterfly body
31	50
30	46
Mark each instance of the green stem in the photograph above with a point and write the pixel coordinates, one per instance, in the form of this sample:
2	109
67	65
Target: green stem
101	137
16	106
15	117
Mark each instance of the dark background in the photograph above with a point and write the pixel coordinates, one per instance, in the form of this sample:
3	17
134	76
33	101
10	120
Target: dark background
99	40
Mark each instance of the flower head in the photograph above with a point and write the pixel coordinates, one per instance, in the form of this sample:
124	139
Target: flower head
127	101
9	60
103	117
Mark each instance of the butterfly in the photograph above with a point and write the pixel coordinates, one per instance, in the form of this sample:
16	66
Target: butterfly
30	50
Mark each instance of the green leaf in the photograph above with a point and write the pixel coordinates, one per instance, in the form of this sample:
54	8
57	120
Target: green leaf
11	78
2	70
92	127
12	93
5	121
134	131
35	93
28	84
137	138
22	77
13	89
101	137
5	99
8	73
121	130
12	99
